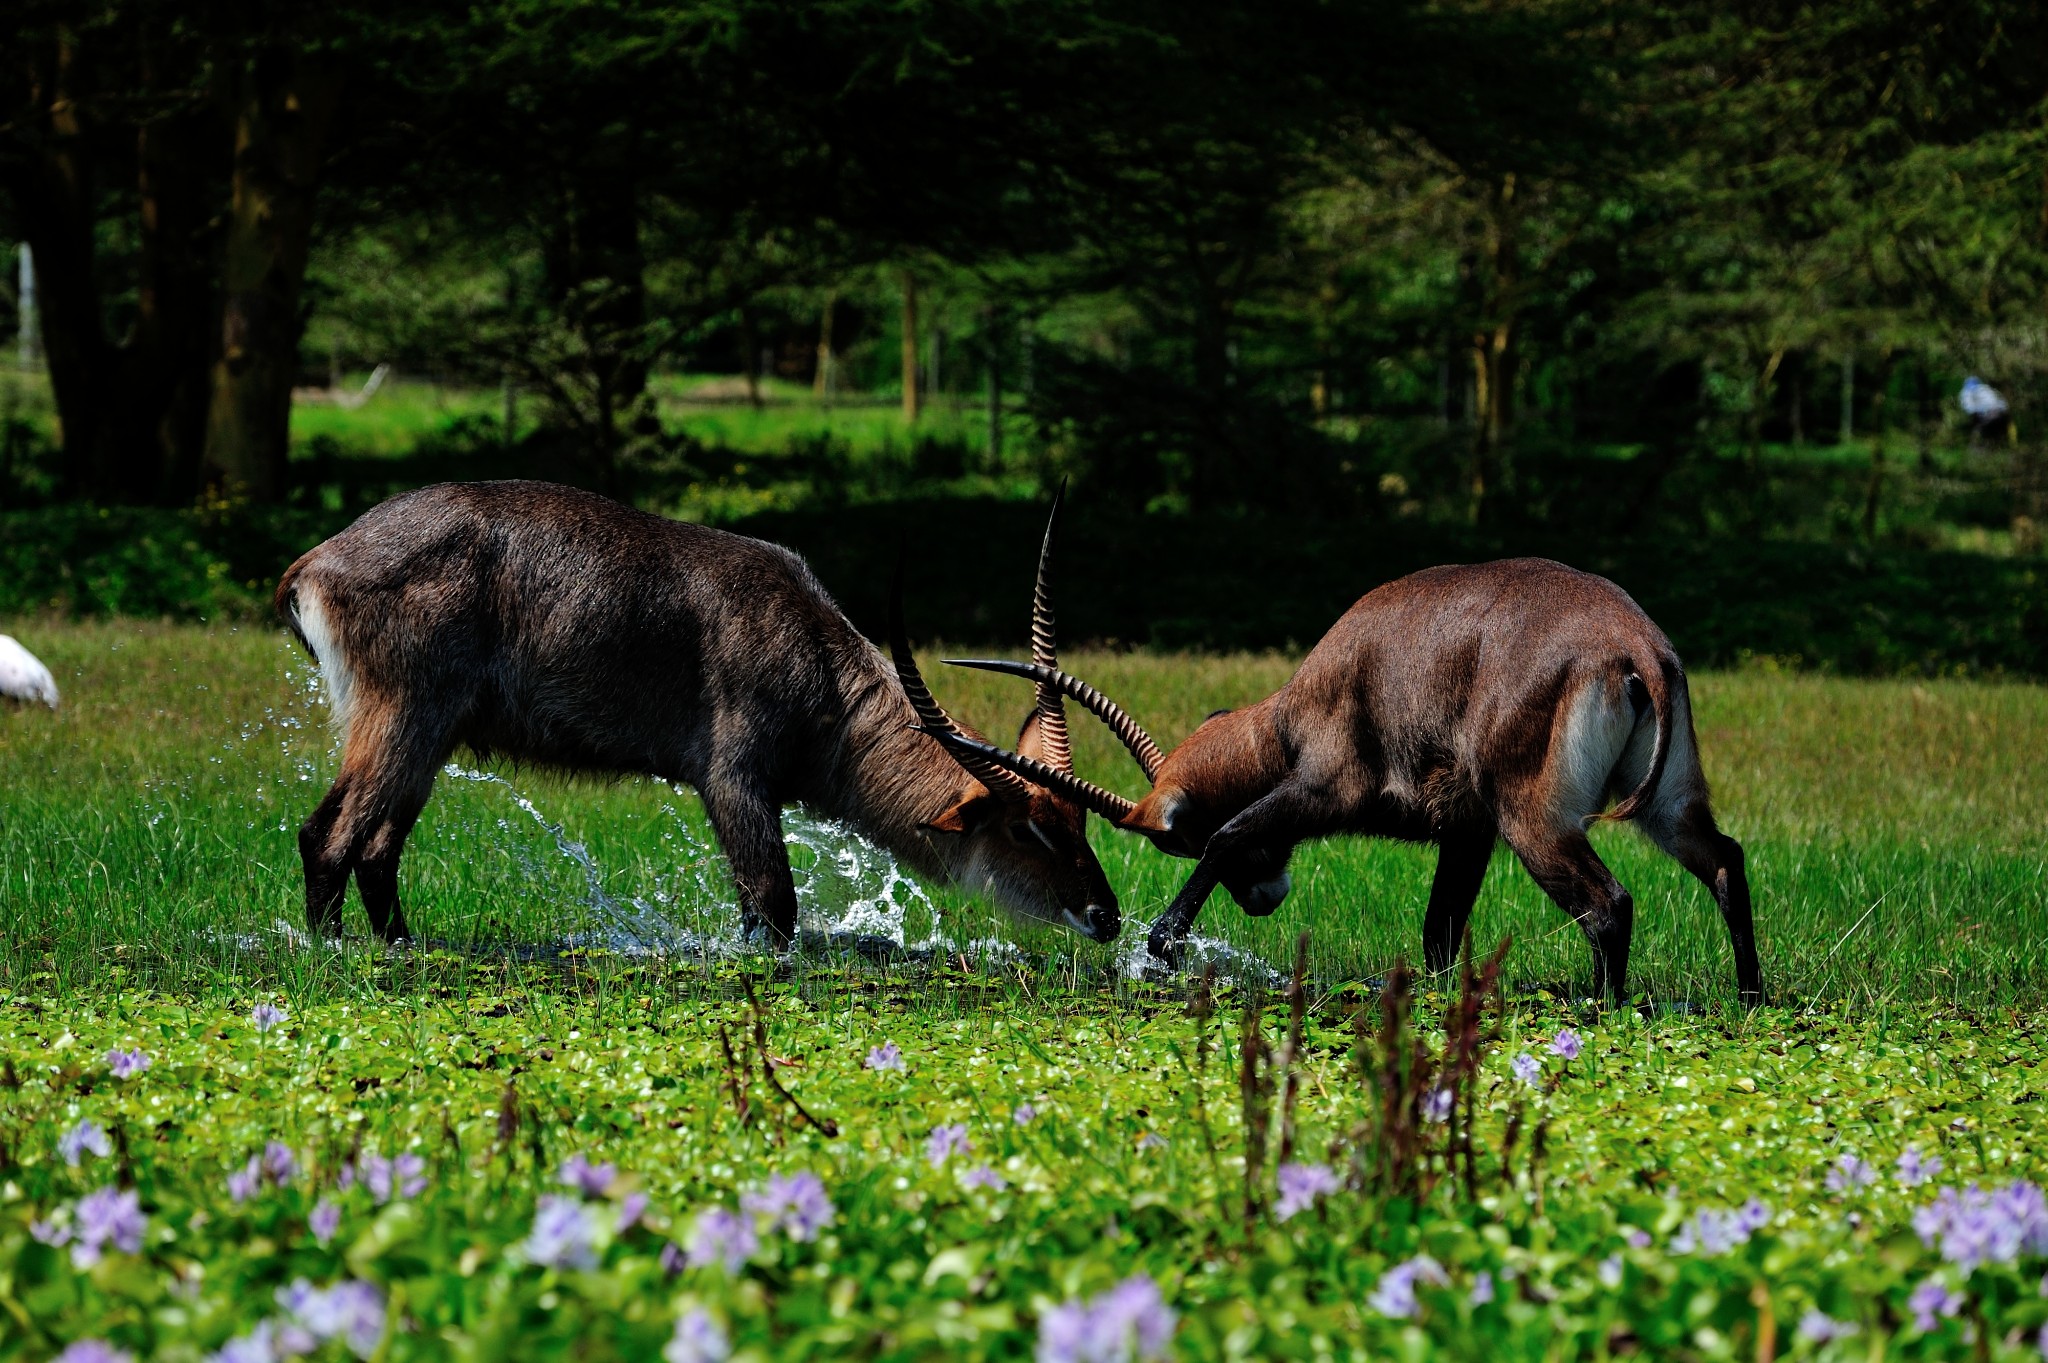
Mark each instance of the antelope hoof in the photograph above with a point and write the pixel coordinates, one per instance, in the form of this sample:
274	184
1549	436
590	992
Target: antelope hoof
1166	950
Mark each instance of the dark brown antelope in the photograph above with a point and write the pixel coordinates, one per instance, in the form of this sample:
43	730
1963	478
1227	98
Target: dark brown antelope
1462	704
557	628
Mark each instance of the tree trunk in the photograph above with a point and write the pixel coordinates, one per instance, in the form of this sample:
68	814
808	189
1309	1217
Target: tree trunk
1848	398
171	354
910	393
822	384
282	106
750	357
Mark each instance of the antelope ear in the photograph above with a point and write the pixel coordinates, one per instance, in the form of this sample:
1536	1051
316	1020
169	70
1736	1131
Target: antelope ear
1154	814
1029	744
964	817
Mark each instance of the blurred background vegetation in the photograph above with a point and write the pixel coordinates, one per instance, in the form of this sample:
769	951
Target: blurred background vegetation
1299	296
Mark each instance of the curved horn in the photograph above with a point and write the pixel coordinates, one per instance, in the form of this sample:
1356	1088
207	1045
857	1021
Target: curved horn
1102	707
1109	805
1052	712
931	716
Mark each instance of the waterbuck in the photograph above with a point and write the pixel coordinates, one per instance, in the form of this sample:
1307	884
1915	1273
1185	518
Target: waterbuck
1458	705
561	629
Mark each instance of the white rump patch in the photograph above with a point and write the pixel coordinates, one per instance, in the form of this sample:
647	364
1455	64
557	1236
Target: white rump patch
1597	732
320	637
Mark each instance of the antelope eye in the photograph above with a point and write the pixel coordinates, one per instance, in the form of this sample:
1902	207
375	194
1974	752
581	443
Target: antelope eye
1022	833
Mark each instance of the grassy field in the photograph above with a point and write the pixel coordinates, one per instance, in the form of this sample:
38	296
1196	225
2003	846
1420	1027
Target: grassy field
1895	832
385	1165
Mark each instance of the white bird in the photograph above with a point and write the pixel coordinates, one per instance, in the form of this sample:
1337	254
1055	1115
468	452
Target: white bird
23	676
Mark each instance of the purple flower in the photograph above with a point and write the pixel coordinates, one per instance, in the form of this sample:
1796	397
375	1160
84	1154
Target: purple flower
1395	1295
1300	1186
590	1179
631	1208
946	1142
127	1064
981	1176
280	1165
1610	1270
1527	1068
1130	1321
1709	1233
265	1016
94	1351
1482	1289
886	1056
1817	1327
325	1220
1637	1238
564	1234
242	1184
86	1136
672	1260
52	1232
721	1236
698	1339
1024	1115
796	1204
103	1216
352	1311
1849	1174
1914	1169
260	1345
1975	1227
403	1176
1151	1140
1566	1045
1438	1105
1930	1299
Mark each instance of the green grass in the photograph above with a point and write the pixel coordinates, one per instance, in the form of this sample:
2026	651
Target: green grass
1894	833
146	850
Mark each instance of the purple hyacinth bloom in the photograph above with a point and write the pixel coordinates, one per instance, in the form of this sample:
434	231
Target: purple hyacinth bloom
672	1259
325	1220
1930	1299
1482	1289
260	1345
1752	1216
1300	1185
722	1236
1914	1169
1395	1295
796	1204
945	1142
631	1208
107	1215
1527	1068
1637	1238
1024	1115
564	1234
1817	1327
265	1016
1976	1227
243	1183
1566	1045
280	1165
51	1232
698	1339
127	1064
1437	1107
1610	1271
403	1176
885	1057
1849	1174
981	1176
87	1136
94	1351
1708	1232
589	1179
351	1311
1130	1321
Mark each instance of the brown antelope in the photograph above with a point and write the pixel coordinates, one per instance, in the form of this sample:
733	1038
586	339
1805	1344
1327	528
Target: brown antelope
555	627
1461	704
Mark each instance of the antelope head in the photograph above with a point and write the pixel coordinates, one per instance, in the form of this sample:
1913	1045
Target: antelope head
1196	789
1022	839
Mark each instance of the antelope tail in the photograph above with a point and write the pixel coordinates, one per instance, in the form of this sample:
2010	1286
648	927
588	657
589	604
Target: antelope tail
1660	681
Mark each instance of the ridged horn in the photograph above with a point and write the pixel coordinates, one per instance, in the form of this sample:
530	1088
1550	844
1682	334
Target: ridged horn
1102	707
1108	804
1052	711
932	717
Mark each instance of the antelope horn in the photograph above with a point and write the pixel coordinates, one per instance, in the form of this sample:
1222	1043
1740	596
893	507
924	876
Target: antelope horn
1102	707
1052	712
932	717
1109	805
